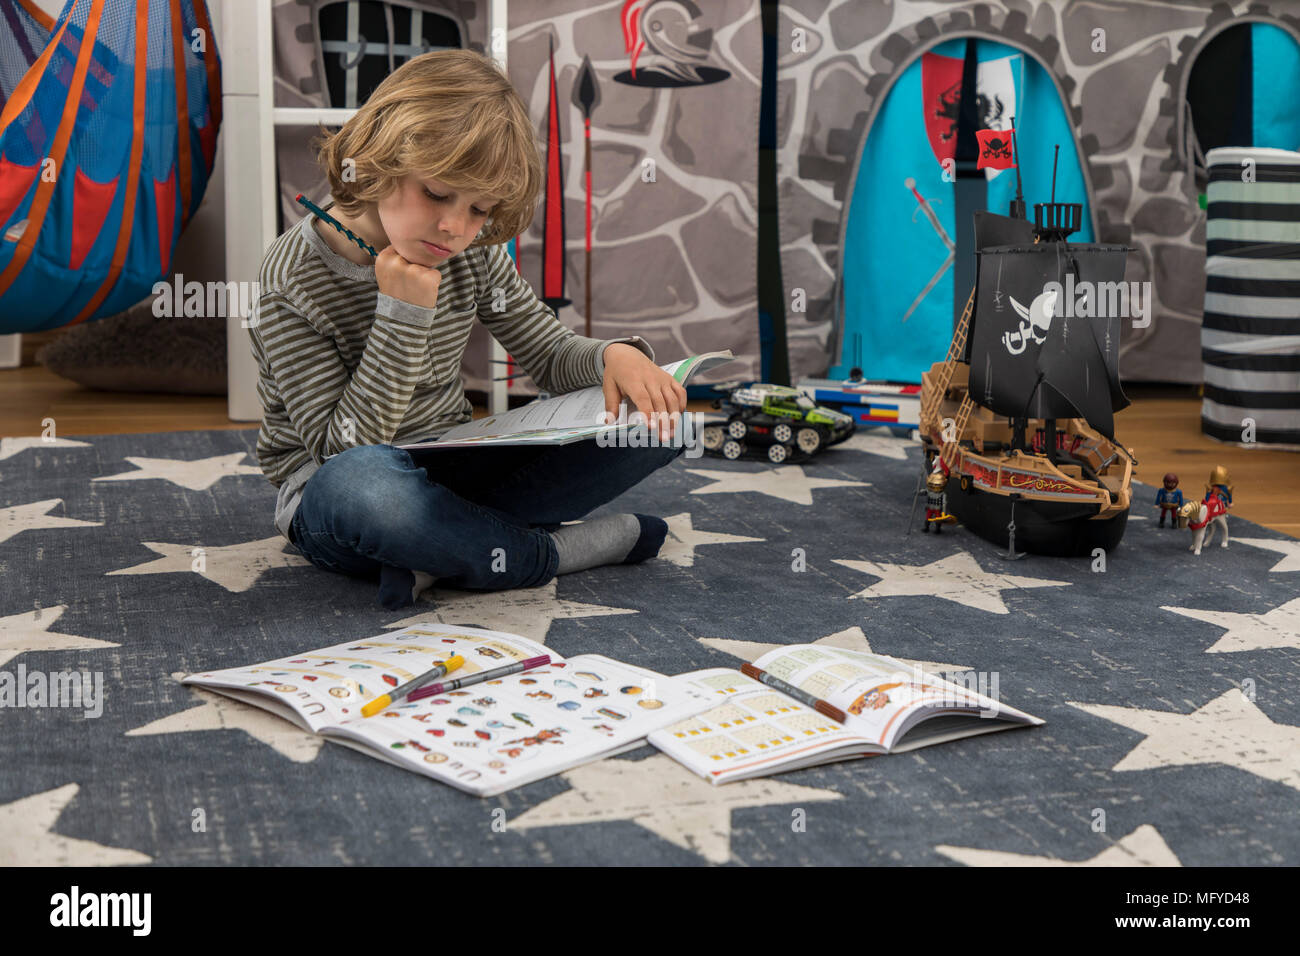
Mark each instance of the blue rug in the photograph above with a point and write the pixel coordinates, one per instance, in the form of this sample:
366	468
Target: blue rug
1170	683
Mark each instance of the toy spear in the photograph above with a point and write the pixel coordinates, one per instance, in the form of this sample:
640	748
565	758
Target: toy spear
553	215
586	96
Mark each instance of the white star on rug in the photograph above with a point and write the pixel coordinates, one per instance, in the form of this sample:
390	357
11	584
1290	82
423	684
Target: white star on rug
788	482
850	639
1290	551
12	446
196	475
1143	847
886	447
1279	627
1228	730
33	517
683	539
667	799
218	712
527	612
26	840
957	578
236	567
30	631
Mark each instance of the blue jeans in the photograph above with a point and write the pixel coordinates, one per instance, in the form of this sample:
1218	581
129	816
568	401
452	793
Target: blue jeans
471	518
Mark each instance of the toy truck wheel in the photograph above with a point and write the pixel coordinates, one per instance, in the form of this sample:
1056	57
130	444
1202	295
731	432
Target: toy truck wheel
809	440
737	429
783	433
777	453
732	449
711	437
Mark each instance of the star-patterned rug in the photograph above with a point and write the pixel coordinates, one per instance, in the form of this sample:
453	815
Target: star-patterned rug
1170	683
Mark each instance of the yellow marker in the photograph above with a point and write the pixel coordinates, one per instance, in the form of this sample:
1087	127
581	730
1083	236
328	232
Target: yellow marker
397	693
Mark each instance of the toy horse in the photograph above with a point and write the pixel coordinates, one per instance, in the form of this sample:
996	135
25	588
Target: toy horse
1200	515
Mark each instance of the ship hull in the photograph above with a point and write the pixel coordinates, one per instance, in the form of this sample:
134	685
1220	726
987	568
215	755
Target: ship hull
1055	529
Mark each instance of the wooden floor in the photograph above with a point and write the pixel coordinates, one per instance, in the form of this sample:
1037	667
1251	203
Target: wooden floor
1162	427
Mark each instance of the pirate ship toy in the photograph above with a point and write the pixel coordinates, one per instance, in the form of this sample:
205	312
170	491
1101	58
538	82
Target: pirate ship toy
1020	415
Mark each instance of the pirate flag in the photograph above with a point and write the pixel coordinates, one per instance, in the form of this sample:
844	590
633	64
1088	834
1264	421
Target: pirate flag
995	148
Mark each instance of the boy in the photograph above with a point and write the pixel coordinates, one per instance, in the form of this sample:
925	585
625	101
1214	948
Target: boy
358	354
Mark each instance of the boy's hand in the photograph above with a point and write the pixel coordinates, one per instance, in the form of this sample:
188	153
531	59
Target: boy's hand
651	389
402	279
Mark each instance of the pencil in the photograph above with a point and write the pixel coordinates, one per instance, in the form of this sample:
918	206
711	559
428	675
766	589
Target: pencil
321	214
524	665
397	693
819	705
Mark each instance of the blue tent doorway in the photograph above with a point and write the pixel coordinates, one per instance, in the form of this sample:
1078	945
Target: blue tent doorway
908	247
1231	94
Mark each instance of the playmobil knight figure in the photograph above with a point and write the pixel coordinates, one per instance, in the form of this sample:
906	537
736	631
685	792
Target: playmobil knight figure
1219	485
936	502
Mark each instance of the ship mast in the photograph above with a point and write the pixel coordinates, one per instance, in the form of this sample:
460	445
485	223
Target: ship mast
1017	211
1054	222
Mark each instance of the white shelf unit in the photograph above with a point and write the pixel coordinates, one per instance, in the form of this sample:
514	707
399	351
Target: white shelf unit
248	138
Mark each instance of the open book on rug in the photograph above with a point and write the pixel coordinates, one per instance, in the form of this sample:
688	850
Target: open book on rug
485	738
844	704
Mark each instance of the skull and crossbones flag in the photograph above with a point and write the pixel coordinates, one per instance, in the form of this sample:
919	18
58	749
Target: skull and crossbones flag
996	148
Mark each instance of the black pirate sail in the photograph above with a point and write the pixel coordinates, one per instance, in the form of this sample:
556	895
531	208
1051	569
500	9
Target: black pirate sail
1079	362
1032	354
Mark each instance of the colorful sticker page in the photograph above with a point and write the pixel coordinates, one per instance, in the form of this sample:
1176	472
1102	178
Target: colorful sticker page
883	698
753	731
490	737
326	687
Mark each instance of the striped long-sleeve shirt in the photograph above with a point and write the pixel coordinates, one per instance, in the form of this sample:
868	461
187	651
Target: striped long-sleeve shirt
341	364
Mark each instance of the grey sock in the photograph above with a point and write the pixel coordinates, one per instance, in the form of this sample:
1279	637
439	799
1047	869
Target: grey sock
611	539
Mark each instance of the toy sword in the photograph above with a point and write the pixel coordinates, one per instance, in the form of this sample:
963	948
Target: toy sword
910	184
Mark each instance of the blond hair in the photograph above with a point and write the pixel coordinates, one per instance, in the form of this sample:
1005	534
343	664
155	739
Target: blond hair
449	115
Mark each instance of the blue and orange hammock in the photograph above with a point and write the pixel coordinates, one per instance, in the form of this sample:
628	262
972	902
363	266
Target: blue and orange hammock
108	131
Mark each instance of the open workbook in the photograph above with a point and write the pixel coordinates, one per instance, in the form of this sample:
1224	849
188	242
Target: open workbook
483	739
888	707
573	416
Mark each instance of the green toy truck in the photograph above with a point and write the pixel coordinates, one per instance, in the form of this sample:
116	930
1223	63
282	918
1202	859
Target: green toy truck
777	421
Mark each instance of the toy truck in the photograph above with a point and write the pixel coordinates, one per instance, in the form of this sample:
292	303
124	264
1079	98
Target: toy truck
776	421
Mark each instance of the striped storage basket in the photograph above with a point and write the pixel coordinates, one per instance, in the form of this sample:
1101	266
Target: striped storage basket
1250	338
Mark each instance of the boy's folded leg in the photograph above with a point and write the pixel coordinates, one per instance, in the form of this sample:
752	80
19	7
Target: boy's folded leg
399	588
570	481
375	506
610	539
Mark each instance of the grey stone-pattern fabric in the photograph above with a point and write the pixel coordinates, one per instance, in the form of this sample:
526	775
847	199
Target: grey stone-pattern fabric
1168	681
1126	105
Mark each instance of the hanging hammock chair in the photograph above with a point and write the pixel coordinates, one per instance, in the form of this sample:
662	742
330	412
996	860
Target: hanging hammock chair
106	148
